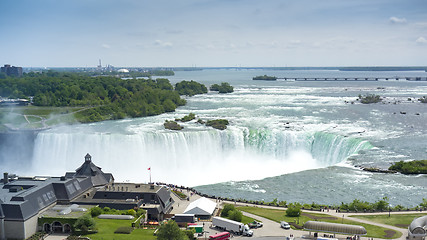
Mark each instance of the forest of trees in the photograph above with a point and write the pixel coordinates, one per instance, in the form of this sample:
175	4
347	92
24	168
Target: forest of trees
106	97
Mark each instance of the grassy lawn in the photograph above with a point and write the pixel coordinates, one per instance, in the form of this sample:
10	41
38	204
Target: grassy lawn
280	215
246	220
397	220
106	228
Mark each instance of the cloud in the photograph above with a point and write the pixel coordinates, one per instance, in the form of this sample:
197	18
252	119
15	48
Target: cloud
106	46
162	43
396	20
421	40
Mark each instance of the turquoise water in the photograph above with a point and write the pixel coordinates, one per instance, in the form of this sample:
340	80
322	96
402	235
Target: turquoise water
295	141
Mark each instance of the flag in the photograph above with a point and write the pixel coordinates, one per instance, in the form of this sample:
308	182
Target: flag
149	168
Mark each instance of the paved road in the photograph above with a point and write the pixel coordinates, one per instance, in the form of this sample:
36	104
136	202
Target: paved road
340	215
271	228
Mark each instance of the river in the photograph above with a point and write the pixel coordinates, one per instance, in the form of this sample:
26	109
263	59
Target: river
294	141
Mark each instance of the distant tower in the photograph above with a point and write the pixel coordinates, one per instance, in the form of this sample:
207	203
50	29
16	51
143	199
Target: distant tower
100	65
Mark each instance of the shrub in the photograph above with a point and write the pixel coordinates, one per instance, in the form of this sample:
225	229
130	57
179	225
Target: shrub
124	230
131	212
85	223
106	209
293	211
95	211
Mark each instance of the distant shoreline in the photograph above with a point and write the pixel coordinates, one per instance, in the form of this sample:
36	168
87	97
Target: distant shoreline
337	68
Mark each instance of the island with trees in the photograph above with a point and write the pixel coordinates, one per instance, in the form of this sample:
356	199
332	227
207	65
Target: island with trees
412	167
369	98
220	124
223	88
190	88
172	125
265	78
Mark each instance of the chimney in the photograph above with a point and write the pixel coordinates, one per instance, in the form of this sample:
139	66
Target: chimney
5	178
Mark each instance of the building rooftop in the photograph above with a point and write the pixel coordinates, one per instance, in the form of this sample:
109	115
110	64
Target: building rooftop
131	187
24	197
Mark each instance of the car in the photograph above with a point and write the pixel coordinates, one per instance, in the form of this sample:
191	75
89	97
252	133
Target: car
285	225
255	224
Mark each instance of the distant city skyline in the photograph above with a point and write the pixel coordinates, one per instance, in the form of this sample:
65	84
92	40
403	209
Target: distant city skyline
213	33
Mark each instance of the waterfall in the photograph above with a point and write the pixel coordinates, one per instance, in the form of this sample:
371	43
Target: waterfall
193	157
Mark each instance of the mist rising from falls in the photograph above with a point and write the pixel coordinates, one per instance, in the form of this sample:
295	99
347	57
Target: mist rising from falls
193	157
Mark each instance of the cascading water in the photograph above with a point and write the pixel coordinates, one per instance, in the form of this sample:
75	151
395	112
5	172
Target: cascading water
330	148
193	157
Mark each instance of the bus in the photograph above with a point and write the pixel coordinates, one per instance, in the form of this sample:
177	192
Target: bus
220	236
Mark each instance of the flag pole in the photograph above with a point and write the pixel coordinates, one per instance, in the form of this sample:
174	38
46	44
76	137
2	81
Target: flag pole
149	169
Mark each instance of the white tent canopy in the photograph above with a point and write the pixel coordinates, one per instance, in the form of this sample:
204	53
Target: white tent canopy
201	206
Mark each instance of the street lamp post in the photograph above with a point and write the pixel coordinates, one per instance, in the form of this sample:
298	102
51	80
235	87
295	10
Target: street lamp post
389	210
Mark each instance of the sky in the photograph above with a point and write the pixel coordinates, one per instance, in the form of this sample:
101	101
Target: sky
213	33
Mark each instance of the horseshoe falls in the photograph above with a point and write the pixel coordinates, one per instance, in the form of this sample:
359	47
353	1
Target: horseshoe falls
192	155
290	140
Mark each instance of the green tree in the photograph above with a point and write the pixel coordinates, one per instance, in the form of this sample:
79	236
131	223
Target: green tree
85	223
227	208
424	203
169	105
95	211
190	233
293	210
235	215
382	205
170	231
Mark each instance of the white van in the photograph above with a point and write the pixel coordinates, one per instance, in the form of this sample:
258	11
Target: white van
285	225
